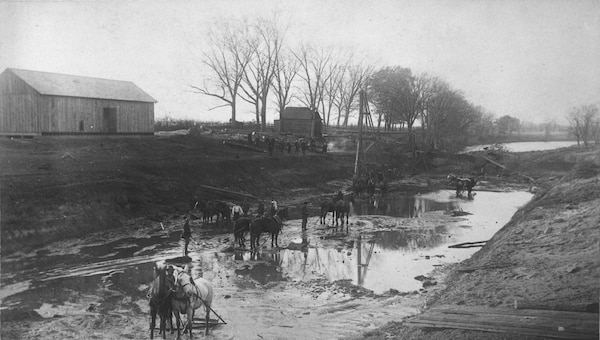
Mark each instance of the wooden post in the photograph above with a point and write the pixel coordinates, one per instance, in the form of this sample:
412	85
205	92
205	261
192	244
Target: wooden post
360	128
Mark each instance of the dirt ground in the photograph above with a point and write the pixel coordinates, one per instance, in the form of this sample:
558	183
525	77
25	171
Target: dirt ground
547	255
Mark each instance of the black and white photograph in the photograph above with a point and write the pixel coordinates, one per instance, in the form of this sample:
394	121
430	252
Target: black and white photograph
319	169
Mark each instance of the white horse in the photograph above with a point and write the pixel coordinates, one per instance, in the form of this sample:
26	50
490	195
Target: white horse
190	295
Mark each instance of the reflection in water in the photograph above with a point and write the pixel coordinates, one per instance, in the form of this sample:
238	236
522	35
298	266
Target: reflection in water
401	206
381	260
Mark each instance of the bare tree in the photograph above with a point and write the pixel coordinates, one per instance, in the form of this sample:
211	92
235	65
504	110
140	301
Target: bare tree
331	90
583	123
313	72
265	41
355	78
286	69
227	59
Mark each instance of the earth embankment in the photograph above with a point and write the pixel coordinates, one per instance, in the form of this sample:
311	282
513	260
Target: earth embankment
546	257
57	187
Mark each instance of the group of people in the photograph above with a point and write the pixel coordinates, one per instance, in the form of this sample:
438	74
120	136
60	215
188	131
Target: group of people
299	145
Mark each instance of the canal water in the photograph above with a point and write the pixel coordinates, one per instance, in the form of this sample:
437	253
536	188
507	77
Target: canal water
96	287
525	146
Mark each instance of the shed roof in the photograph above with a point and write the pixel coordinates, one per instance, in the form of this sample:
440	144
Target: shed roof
56	84
299	113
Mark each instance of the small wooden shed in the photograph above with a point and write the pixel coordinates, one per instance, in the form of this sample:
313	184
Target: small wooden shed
301	121
42	103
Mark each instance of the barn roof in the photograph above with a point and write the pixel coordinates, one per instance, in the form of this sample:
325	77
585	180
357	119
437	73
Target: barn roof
55	84
299	113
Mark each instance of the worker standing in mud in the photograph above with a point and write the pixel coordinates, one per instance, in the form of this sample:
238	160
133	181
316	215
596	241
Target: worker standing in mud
304	212
186	235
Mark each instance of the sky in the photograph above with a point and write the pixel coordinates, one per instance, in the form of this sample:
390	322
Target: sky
530	59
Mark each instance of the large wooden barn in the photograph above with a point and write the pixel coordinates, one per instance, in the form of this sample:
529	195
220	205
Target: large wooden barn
41	103
301	121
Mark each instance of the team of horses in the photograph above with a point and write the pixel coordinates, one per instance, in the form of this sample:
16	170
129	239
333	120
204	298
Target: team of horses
258	225
339	207
189	295
462	184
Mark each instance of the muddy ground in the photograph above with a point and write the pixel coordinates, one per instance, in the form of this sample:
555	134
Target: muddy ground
81	226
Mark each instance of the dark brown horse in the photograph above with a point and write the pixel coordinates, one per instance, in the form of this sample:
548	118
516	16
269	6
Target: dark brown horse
326	208
462	184
240	227
342	209
160	301
218	208
270	225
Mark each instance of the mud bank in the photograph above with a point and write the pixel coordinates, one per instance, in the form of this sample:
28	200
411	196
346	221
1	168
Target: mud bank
54	188
546	257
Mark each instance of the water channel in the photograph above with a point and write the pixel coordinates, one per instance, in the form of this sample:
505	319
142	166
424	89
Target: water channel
525	146
109	273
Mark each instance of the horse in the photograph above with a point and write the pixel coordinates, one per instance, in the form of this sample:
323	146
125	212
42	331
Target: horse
327	207
240	227
462	183
160	301
271	225
221	209
190	295
342	209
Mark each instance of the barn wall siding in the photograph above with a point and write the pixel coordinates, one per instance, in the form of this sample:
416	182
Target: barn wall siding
18	105
64	114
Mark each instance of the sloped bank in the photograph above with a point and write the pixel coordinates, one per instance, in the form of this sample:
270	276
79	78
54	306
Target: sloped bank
546	257
105	183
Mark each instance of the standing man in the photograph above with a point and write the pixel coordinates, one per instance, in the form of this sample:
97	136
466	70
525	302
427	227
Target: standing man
304	215
273	206
186	234
236	212
271	145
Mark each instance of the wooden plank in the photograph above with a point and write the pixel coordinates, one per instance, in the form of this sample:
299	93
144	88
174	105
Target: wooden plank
498	329
533	322
505	311
572	325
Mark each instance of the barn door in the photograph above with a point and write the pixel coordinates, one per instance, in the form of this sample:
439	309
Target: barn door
110	120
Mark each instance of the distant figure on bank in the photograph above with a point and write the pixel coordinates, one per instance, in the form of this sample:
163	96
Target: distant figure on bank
271	146
186	235
324	147
288	145
304	211
297	147
281	145
303	146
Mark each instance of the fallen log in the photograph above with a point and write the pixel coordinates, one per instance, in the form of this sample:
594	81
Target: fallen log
229	191
507	169
468	244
